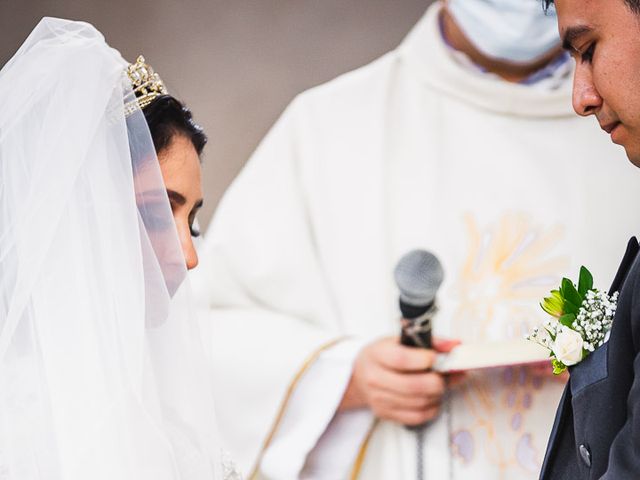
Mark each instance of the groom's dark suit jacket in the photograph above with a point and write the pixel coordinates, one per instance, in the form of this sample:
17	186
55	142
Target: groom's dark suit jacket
596	434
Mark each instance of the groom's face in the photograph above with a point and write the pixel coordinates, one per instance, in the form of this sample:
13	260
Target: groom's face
604	39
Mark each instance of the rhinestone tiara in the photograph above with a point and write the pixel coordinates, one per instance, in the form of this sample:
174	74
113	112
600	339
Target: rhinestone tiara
146	83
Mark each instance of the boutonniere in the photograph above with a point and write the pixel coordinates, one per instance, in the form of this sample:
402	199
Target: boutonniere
581	318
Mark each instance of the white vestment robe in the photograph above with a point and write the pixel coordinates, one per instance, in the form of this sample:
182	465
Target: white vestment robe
502	181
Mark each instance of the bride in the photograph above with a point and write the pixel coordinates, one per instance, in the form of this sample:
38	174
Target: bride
103	374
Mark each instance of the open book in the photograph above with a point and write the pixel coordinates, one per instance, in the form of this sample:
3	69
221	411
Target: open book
473	356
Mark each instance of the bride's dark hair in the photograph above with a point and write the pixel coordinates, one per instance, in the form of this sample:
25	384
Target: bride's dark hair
167	117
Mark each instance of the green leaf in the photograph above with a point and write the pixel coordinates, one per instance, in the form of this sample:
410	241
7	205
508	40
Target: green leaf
558	366
567	319
553	337
586	281
570	294
570	307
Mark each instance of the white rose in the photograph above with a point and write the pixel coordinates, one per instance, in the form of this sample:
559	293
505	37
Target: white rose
568	346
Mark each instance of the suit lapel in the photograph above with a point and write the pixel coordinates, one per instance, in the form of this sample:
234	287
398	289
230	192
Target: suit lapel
625	265
565	402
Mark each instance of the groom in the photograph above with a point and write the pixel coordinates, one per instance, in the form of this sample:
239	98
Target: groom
596	434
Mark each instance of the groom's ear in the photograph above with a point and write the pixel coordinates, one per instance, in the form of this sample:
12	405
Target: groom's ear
625	265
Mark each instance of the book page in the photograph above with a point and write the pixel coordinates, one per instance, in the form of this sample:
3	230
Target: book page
472	356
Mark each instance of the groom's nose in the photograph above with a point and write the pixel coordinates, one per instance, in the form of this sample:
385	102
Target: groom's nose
586	98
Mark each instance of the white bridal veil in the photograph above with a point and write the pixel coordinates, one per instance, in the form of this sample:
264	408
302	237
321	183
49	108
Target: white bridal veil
102	370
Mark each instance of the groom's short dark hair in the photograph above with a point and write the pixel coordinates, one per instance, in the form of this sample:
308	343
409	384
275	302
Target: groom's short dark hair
634	5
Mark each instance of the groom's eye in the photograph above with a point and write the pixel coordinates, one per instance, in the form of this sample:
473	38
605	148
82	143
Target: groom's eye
587	55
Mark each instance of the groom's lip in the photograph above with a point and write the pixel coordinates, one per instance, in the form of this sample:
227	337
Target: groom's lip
609	127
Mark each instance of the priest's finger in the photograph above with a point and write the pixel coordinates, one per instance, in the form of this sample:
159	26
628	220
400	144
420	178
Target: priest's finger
389	400
407	384
444	345
390	353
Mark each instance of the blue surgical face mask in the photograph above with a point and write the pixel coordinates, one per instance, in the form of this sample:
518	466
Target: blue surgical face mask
517	31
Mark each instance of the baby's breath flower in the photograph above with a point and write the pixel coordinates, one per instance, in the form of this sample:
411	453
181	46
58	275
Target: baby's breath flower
592	322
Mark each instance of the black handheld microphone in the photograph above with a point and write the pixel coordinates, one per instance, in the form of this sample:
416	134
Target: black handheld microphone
418	275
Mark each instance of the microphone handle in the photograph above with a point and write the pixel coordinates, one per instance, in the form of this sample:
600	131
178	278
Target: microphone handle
416	333
408	341
416	324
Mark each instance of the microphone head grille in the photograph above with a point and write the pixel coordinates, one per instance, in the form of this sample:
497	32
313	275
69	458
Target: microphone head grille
418	275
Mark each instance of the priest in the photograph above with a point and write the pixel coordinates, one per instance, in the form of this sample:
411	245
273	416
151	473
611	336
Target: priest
462	142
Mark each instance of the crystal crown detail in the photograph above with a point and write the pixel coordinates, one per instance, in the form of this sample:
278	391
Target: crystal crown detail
147	85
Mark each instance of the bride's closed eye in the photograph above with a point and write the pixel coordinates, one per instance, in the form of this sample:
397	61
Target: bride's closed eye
177	201
154	217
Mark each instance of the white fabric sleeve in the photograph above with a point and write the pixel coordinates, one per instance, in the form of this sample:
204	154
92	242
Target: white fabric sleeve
335	454
311	432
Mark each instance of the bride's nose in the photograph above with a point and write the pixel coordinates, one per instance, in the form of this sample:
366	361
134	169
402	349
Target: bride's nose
188	248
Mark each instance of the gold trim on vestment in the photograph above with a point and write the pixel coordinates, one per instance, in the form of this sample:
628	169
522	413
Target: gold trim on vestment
362	453
285	403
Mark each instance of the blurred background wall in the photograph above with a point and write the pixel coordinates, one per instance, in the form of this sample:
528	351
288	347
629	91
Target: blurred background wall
236	63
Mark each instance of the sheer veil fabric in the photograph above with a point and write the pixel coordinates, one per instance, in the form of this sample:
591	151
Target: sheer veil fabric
103	374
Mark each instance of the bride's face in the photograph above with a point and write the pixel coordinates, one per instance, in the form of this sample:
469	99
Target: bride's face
180	167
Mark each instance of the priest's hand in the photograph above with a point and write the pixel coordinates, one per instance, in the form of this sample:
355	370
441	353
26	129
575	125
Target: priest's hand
394	381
